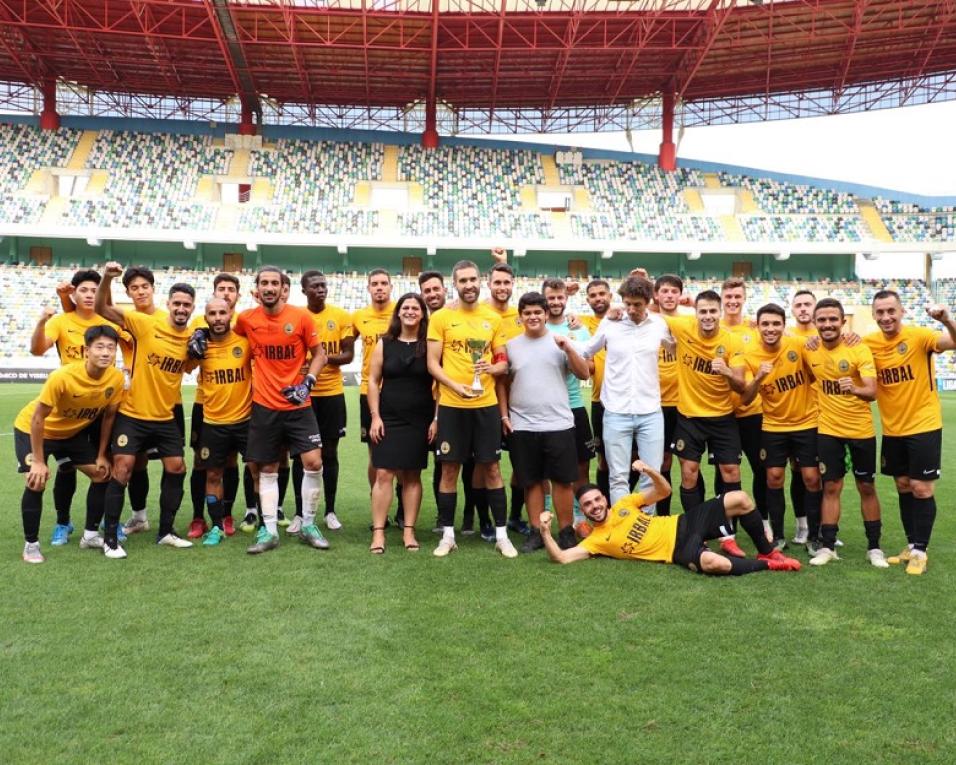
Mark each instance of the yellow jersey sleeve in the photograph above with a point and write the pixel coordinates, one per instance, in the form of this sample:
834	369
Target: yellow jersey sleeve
906	391
369	325
67	331
465	337
600	359
629	533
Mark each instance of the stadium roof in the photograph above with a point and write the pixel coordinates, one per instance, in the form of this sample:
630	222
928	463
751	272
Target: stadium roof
505	64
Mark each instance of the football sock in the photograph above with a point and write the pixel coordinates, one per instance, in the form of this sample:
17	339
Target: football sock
230	486
741	566
95	505
924	516
138	492
814	500
64	487
753	524
269	501
499	506
907	514
214	504
170	498
197	492
31	505
828	535
663	505
330	476
311	491
776	507
798	492
517	503
113	508
283	483
446	510
873	530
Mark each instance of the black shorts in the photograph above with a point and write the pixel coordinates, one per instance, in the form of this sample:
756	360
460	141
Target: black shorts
76	450
271	431
583	437
466	434
918	456
696	526
540	456
832	451
330	417
670	425
179	416
133	436
365	418
776	449
218	442
597	426
195	426
694	435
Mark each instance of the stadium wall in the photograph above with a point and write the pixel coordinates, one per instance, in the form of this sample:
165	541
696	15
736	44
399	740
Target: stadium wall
188	127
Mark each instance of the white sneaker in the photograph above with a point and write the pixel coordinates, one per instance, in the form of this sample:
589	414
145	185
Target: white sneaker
332	522
876	558
824	556
134	526
31	553
116	553
839	543
295	527
93	543
172	540
505	547
444	547
800	538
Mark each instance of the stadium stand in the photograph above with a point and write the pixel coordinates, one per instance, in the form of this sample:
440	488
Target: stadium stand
23	151
910	222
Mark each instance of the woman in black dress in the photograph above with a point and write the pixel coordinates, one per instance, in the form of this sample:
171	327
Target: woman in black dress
402	407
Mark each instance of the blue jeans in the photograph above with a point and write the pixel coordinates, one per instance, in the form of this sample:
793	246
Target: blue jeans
621	431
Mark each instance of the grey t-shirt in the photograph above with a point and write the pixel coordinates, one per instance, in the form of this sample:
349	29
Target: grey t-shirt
539	393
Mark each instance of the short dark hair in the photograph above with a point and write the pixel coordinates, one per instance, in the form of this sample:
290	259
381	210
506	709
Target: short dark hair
597	283
708	295
376	272
829	302
310	274
554	283
584	489
136	271
220	278
772	308
100	330
268	270
86	275
186	289
502	267
461	265
425	276
636	287
733	281
672	279
798	293
883	294
532	299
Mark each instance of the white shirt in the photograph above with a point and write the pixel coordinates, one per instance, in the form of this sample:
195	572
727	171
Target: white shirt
631	381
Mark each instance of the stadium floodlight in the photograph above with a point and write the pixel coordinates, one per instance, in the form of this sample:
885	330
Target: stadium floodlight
782	255
189	244
695	255
252	247
92	241
607	254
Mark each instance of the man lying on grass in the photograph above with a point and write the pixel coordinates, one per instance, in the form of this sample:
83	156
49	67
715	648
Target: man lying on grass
624	531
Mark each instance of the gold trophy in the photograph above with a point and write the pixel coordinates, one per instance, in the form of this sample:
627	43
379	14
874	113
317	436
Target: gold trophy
477	349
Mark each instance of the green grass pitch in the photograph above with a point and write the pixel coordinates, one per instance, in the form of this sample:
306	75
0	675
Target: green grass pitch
209	656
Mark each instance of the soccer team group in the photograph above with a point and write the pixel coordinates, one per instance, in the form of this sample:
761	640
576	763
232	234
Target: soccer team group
673	375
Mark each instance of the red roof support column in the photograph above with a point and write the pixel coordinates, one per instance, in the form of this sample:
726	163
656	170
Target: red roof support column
246	125
430	136
667	157
49	118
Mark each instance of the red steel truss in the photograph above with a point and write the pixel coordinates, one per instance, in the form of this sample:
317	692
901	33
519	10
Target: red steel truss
487	62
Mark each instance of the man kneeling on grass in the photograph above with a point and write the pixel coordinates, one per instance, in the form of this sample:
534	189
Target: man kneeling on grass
624	531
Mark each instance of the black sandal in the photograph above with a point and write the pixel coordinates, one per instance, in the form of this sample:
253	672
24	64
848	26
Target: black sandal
377	549
414	546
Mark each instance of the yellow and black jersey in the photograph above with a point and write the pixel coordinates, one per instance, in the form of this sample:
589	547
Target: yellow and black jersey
126	339
701	391
787	392
629	533
76	400
66	330
466	337
199	322
158	362
802	332
749	338
906	380
511	325
842	414
600	358
332	325
225	381
370	324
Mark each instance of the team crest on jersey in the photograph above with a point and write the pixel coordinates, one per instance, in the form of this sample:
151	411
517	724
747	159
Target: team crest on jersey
679	445
287	328
445	447
791	355
204	452
237	351
720	350
485	325
122	439
108	392
844	365
330	324
623	513
902	348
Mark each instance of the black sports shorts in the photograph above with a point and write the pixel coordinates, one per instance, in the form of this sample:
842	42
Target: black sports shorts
832	451
776	448
918	456
132	436
693	436
75	450
272	430
696	526
465	434
220	441
537	456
